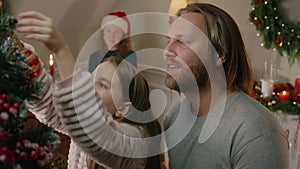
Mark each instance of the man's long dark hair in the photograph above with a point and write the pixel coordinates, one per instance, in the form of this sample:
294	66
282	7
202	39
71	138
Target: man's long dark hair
226	38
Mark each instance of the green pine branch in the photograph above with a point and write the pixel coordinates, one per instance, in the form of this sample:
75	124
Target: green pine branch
15	73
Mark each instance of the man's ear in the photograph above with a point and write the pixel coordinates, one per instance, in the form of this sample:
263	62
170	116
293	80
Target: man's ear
221	59
123	109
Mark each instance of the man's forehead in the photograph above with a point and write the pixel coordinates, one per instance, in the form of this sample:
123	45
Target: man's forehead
187	24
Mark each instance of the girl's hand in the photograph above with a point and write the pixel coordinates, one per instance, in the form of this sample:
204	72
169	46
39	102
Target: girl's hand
34	25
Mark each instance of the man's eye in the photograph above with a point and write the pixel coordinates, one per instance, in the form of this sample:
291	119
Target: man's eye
182	43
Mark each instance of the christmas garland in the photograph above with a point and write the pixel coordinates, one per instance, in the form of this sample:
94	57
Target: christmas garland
277	33
282	98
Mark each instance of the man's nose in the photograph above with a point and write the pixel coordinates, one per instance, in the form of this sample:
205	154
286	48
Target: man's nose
170	44
169	50
168	54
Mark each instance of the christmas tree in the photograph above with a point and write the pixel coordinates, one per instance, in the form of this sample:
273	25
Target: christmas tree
20	147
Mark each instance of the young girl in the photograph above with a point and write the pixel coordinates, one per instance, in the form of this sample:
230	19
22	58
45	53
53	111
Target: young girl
97	127
114	40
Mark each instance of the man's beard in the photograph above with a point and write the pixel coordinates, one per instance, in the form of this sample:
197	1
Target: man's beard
192	79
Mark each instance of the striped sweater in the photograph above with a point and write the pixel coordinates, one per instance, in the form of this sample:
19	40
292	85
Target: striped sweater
72	106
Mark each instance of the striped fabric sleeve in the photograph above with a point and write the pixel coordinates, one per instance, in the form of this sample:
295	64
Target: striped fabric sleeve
44	109
110	143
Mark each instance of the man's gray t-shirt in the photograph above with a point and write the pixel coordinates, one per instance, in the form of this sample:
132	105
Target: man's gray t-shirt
247	137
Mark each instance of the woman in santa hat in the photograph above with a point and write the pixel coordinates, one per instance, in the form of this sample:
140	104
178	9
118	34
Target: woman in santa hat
114	40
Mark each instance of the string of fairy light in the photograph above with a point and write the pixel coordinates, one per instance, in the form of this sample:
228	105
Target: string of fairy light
277	33
282	36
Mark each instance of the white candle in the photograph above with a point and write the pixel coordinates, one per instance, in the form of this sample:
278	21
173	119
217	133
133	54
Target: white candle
267	87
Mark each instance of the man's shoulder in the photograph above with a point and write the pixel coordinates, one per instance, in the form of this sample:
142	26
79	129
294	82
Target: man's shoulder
242	104
249	114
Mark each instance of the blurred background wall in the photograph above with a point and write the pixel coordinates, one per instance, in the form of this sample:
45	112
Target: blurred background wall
79	20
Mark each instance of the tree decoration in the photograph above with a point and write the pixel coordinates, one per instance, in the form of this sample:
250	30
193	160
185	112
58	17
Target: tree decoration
282	98
277	33
20	148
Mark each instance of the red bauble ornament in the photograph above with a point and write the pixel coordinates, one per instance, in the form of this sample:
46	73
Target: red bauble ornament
22	156
288	86
36	73
34	62
278	87
33	155
5	133
1	101
42	154
16	105
4	150
6	106
4	96
51	146
12	110
252	16
27	53
279	43
267	100
260	22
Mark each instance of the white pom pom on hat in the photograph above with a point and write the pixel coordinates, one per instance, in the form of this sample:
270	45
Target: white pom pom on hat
119	19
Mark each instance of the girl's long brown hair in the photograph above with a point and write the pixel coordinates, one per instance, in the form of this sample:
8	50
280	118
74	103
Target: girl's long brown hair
136	90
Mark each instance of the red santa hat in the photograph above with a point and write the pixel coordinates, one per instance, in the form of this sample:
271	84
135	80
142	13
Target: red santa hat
119	19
